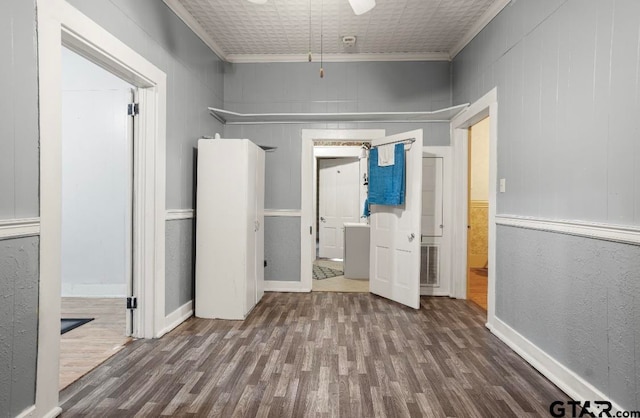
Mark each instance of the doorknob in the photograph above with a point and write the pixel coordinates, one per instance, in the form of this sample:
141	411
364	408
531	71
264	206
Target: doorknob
411	237
322	219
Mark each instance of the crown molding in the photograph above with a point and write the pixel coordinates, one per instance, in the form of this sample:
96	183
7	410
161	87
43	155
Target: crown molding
480	24
193	24
354	57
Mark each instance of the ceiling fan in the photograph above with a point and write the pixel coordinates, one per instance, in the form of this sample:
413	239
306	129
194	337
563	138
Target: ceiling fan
359	6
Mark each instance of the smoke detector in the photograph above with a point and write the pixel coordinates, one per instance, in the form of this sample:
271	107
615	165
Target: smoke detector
349	41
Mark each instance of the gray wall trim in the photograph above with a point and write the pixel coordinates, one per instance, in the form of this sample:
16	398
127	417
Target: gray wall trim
607	232
16	228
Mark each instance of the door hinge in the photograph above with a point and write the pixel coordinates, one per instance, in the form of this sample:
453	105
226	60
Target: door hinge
311	230
133	109
132	303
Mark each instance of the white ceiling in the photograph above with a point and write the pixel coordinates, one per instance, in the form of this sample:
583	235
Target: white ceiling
240	31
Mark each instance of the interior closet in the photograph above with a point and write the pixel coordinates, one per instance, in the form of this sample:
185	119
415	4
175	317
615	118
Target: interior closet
229	228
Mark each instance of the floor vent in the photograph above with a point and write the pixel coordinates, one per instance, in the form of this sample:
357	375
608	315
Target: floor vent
430	265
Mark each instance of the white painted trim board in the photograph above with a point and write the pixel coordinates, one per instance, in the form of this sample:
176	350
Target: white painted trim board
602	231
286	287
177	317
31	412
180	214
94	290
17	228
282	213
570	383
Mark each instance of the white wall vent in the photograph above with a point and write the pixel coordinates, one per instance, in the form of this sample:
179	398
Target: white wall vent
429	265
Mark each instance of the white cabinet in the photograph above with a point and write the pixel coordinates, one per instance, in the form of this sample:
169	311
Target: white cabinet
229	228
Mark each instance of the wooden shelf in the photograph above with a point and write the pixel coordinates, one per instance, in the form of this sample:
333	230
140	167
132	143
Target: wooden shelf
234	118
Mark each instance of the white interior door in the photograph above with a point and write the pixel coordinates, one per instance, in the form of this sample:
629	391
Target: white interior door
339	202
394	269
435	238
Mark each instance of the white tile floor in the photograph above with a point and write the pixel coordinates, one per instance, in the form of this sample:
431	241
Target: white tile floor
338	283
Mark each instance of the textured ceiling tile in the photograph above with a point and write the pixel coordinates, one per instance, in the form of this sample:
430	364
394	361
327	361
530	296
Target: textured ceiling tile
282	26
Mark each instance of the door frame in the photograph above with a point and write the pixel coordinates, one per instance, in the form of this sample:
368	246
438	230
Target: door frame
320	152
307	195
59	24
486	106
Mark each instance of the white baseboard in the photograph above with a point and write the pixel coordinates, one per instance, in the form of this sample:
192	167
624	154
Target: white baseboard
433	291
285	287
177	317
53	413
31	412
570	383
94	290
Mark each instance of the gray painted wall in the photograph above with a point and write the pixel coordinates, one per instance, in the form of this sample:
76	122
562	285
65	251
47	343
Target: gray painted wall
194	78
346	87
568	90
18	324
577	299
179	263
281	246
18	111
194	81
19	183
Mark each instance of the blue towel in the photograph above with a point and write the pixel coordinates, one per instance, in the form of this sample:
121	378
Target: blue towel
387	184
366	212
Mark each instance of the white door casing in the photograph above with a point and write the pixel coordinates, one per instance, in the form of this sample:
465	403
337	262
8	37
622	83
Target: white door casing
394	270
260	179
339	203
61	24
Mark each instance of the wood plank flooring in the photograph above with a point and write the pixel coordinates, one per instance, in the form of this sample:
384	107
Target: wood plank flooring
477	287
322	355
84	348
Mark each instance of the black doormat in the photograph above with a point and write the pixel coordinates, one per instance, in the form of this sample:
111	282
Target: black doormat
320	272
67	324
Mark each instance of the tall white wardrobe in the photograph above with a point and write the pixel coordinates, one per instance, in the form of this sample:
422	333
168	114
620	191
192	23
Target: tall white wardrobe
229	228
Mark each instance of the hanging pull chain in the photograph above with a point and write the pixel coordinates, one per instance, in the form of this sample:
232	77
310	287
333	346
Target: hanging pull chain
321	38
309	30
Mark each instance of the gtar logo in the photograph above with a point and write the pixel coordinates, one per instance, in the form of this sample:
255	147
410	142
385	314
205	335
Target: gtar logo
580	409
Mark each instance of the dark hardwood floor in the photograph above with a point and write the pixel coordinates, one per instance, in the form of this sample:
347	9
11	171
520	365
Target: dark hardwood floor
320	354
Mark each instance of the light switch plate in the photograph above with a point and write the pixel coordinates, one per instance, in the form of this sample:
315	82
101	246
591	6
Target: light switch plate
503	185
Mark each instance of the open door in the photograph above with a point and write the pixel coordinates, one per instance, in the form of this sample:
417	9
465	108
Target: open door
339	203
394	269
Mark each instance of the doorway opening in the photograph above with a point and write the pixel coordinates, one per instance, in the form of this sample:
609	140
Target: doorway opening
61	25
478	213
485	107
97	215
340	190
